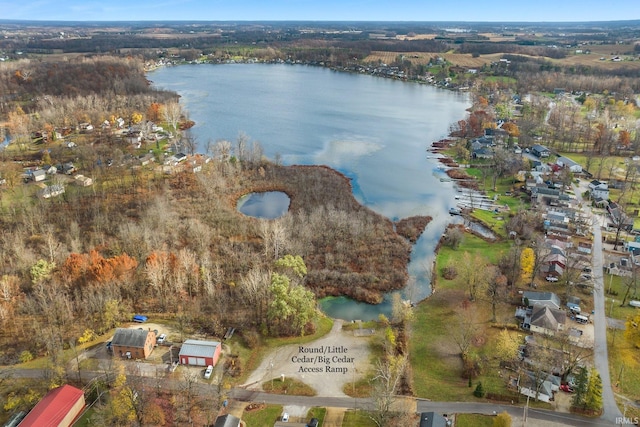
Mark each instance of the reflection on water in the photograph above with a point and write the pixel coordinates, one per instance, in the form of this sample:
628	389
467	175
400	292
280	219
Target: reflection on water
374	131
266	205
348	309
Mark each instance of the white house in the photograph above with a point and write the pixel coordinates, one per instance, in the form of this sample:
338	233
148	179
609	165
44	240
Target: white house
566	162
599	189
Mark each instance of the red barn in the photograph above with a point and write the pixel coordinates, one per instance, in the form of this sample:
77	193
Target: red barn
200	353
59	408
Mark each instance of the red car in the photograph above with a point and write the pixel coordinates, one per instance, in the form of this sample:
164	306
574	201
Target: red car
566	388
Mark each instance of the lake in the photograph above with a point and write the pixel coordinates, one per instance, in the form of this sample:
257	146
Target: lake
372	129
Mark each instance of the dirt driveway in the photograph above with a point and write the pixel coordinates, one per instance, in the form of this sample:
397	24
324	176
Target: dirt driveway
326	364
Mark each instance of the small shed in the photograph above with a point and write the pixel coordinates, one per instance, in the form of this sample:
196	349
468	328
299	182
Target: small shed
60	407
39	175
200	353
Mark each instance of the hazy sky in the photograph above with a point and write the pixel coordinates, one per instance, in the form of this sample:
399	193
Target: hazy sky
327	10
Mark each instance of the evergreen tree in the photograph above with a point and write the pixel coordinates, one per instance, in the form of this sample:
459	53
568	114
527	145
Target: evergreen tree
580	389
593	398
479	391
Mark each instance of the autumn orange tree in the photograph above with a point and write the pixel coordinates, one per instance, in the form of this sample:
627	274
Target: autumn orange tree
154	112
93	268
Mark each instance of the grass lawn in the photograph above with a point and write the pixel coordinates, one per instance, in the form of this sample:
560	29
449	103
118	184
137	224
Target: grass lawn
600	163
492	220
624	368
288	386
435	356
265	417
474	245
357	419
500	79
615	289
474	420
85	419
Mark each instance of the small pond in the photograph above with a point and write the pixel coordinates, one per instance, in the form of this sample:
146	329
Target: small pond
347	309
266	205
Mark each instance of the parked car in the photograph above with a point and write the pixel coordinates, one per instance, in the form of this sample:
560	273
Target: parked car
566	388
208	372
552	279
161	338
285	417
140	318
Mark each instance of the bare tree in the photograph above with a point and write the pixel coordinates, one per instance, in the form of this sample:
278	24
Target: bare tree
189	397
172	115
386	380
255	288
496	290
466	330
474	273
274	236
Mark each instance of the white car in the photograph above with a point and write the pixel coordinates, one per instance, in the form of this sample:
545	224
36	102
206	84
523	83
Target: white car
208	372
161	338
552	279
285	417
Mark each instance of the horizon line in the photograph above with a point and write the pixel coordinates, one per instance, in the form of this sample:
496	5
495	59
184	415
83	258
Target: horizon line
51	21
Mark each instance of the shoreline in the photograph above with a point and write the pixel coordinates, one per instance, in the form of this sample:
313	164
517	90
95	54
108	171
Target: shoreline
294	197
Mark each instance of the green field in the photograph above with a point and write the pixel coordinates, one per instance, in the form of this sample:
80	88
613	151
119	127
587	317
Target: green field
265	417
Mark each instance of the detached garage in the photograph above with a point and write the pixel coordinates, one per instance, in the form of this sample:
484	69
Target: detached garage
200	353
59	408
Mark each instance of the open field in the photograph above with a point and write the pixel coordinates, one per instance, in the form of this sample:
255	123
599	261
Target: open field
592	59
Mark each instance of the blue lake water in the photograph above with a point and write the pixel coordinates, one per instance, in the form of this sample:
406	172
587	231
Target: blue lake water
372	129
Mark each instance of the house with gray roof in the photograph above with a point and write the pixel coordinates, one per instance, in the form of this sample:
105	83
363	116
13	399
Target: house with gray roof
227	420
431	419
540	151
548	299
133	343
547	320
566	162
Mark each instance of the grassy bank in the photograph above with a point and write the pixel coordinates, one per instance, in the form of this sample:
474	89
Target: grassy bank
435	356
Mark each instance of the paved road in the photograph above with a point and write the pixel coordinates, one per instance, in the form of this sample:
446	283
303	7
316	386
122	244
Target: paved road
422	406
600	357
